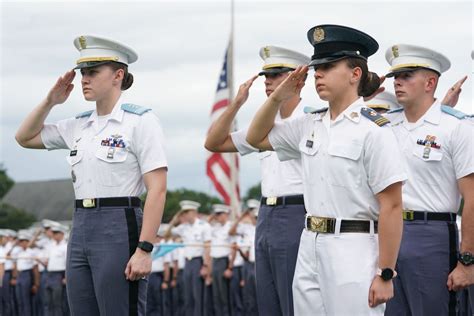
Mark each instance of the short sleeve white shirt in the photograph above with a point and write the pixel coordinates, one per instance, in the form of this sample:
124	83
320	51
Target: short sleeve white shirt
346	162
109	161
279	178
57	256
433	171
196	233
221	240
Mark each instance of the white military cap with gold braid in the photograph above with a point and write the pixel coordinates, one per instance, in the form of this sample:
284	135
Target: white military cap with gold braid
385	101
189	205
96	50
278	59
404	57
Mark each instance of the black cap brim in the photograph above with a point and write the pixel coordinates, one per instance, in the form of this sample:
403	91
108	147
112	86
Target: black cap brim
276	70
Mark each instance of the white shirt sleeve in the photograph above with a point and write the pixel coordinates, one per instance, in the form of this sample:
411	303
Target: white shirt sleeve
207	232
59	135
462	142
240	142
383	160
178	230
285	137
149	143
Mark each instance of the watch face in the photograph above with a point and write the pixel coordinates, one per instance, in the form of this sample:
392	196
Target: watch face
466	258
387	274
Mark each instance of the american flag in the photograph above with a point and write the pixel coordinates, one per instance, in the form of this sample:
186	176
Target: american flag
223	168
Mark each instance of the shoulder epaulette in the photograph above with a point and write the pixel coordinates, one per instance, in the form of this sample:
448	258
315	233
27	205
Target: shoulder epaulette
395	110
135	109
457	114
84	114
374	116
312	110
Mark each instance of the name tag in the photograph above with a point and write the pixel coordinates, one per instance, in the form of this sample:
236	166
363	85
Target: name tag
73	153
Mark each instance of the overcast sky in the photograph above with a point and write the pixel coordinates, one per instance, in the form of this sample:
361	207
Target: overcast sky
181	46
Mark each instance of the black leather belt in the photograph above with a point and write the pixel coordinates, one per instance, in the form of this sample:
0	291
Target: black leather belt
328	225
132	201
283	200
409	215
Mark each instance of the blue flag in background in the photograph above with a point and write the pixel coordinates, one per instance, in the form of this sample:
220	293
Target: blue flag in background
163	249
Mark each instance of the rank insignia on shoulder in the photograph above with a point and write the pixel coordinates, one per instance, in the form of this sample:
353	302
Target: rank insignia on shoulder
84	114
457	114
135	109
374	116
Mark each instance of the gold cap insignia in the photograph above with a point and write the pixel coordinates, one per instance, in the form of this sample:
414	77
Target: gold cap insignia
395	51
266	51
318	34
82	42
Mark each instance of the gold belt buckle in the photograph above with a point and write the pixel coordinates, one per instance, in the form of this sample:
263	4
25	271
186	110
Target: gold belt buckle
88	203
271	200
318	224
408	215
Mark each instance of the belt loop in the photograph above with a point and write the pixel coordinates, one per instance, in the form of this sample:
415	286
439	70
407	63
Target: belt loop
306	221
337	228
372	228
425	215
283	200
97	203
129	201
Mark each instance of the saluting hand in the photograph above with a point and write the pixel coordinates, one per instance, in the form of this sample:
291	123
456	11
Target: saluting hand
452	96
380	291
243	93
62	89
139	265
292	85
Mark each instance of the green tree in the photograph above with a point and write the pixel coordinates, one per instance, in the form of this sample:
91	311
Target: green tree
254	192
5	182
174	197
13	218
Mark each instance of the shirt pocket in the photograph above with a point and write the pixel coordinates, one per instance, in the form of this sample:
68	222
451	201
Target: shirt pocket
344	167
111	166
308	155
427	165
76	167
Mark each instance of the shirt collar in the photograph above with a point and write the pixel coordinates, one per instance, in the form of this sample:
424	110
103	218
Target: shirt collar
433	116
116	114
352	112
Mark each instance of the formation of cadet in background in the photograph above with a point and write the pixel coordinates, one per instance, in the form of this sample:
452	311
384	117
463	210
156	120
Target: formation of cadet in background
33	279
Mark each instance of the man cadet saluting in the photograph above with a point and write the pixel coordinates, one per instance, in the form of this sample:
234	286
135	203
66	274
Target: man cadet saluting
282	211
437	144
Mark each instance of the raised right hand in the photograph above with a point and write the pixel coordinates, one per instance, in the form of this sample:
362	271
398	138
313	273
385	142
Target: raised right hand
243	93
292	85
62	89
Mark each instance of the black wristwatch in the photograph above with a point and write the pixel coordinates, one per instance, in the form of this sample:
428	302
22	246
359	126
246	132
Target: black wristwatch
386	274
145	246
466	258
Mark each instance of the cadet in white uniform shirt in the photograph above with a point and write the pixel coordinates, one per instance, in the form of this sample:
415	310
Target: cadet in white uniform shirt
115	152
282	212
220	252
196	232
8	290
352	177
27	275
56	272
438	149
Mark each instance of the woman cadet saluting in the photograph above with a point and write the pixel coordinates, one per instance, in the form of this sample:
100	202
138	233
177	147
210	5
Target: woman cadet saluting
352	179
115	152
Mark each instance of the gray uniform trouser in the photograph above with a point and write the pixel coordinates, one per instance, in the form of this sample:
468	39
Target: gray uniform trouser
8	295
220	286
101	242
178	295
277	240
24	282
193	287
236	301
157	299
427	255
53	297
249	290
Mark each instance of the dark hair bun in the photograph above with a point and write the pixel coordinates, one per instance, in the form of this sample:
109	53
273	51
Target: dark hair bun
127	81
371	85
